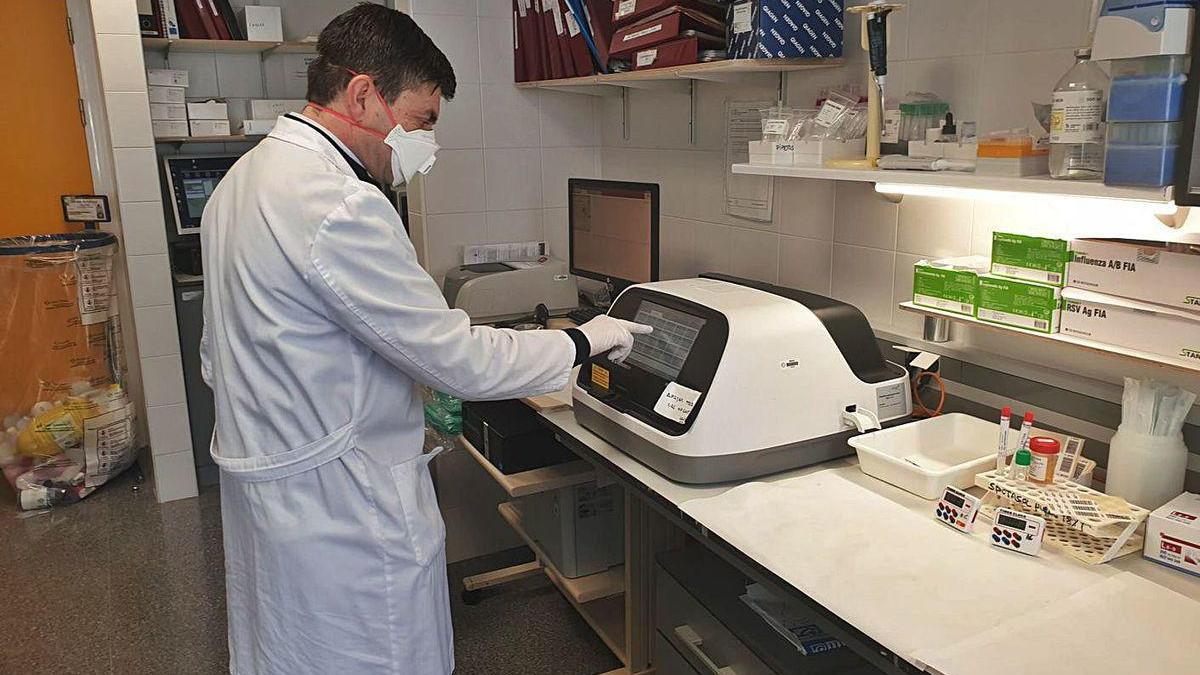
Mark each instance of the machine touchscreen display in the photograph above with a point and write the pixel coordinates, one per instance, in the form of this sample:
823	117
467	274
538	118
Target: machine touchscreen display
664	351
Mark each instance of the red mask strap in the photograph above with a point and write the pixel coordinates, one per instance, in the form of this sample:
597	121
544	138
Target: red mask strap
347	119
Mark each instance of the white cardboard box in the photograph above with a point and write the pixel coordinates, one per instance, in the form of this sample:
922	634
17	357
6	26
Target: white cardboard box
1157	272
161	77
269	109
805	153
1163	331
262	23
208	110
169	128
257	127
167	94
210	127
1173	534
168	111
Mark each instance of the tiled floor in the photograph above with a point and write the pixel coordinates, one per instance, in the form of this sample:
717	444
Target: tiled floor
121	584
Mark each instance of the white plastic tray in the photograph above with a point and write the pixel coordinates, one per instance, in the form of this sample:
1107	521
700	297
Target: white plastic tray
924	457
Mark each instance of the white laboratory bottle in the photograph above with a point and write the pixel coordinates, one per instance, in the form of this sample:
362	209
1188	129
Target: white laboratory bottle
1077	121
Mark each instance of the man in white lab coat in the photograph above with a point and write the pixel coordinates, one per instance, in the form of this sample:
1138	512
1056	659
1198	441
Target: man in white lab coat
319	324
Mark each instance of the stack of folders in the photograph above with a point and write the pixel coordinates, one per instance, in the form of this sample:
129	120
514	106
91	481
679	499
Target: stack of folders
558	39
200	19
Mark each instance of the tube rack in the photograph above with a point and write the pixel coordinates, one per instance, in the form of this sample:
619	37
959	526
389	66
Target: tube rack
1092	537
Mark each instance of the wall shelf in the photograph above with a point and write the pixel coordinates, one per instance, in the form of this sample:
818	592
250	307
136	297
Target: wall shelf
1043	185
226	46
1062	338
234	138
574	472
717	71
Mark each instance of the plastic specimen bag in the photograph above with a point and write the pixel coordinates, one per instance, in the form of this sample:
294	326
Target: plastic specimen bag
68	422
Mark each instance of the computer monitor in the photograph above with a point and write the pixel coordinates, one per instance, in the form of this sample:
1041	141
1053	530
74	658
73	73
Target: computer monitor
613	231
191	180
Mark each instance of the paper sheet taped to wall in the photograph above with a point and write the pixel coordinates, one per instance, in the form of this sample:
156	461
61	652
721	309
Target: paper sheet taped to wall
748	197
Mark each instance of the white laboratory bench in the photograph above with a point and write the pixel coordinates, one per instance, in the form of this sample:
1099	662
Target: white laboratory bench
649	489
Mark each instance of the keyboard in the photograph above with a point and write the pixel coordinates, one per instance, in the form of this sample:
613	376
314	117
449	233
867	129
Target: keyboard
584	314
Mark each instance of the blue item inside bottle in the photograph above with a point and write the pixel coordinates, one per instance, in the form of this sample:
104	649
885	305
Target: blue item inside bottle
1151	98
1142	165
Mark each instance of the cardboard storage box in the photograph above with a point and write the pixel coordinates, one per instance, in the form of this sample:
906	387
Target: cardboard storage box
1173	534
262	23
1157	272
665	26
167	94
950	285
168	111
210	127
269	109
169	128
1019	304
626	12
674	53
160	77
1018	256
784	29
208	110
257	127
1163	331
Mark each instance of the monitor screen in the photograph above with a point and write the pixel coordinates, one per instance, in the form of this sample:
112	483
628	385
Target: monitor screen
664	351
198	186
191	180
614	230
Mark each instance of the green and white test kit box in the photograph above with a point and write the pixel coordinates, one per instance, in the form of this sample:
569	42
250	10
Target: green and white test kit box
1018	256
950	285
1020	304
1158	272
1160	330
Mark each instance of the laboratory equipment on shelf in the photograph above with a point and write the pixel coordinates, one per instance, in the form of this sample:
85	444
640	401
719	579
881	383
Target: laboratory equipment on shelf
1077	121
496	291
1147	458
738	379
873	17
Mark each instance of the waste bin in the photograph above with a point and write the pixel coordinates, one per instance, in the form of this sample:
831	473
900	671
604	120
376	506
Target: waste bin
68	423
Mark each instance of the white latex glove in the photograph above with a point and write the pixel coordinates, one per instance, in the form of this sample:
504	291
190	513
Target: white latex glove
604	333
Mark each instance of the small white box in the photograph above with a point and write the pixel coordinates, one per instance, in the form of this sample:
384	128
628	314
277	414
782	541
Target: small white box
930	150
208	110
167	94
257	127
1164	331
1157	272
1173	534
269	109
210	127
169	128
804	153
160	77
168	111
262	23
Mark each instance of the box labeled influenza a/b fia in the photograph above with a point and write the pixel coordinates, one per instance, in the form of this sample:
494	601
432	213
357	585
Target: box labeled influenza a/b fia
1173	534
1164	273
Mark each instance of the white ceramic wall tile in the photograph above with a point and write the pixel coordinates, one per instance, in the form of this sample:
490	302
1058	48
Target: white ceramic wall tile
149	280
903	321
567	120
513	179
143	228
121	66
137	174
1009	82
864	278
453	7
501	8
115	17
675	181
505	226
162	380
676	248
202	73
806	264
416	195
954	79
458	38
555	225
862	217
157	332
1029	25
239	76
611	129
939	28
935	227
706	198
713	248
445	236
561	164
175	477
805	207
456	183
129	119
169	431
510	117
496	50
755	255
302	18
286	75
461	121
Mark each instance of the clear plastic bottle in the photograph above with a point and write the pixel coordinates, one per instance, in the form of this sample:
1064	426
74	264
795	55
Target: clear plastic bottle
1077	121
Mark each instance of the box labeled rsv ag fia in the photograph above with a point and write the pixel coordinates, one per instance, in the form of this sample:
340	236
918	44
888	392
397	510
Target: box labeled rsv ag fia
784	29
1173	534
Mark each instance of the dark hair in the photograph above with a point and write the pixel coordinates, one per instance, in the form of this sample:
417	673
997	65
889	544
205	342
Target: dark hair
383	43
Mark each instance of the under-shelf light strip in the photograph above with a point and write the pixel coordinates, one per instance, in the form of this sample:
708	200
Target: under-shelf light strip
1152	207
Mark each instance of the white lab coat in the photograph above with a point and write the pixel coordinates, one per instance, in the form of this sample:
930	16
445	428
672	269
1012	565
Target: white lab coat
319	322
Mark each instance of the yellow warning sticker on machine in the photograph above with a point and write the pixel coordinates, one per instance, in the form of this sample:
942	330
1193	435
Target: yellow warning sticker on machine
599	376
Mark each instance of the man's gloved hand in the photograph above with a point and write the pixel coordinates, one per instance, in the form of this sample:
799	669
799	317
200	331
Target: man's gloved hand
604	333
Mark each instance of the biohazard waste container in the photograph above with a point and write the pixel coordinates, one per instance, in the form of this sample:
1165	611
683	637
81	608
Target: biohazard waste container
68	423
